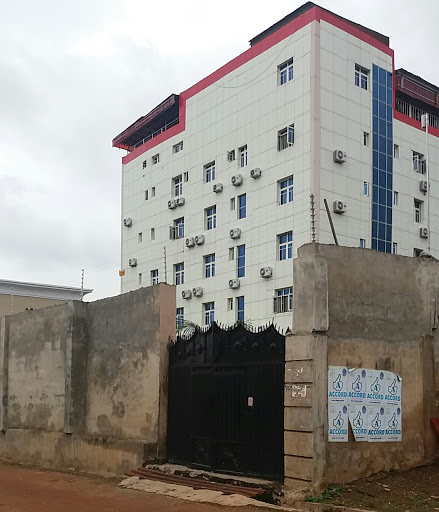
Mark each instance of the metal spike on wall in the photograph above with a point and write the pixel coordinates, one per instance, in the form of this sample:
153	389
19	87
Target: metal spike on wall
313	217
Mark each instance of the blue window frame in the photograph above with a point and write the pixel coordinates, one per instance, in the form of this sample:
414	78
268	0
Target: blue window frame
366	188
240	308
209	312
179	227
179	273
286	246
286	190
178	185
209	172
286	72
209	265
211	217
180	317
242	206
241	260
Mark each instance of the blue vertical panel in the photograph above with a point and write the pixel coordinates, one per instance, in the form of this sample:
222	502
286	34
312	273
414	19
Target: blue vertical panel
382	147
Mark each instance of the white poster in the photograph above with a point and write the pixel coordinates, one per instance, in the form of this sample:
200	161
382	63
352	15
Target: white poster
358	420
337	384
357	382
393	418
376	423
338	422
392	389
375	387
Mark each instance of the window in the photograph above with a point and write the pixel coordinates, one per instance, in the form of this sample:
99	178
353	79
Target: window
140	237
209	265
395	151
243	156
140	278
186	176
365	188
177	185
418	211
361	77
155	159
286	190
285	137
394	248
286	246
209	312
242	206
241	260
231	253
153	192
179	273
232	204
180	317
177	230
417	252
283	300
365	139
146	195
395	198
362	243
211	217
154	277
178	147
209	172
419	164
230	304
285	72
152	233
240	308
144	164
231	155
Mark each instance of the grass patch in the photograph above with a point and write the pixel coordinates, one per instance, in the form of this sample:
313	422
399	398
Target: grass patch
333	491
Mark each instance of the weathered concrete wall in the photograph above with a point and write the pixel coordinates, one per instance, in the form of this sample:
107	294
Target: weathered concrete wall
84	385
20	303
371	310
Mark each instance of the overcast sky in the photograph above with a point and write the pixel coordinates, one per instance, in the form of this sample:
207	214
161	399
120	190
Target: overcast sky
74	74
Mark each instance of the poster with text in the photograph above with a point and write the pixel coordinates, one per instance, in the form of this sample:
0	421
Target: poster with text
337	384
375	387
392	423
392	389
357	382
338	423
358	420
376	423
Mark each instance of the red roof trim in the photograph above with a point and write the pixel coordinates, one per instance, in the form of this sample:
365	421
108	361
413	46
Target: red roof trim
313	14
397	116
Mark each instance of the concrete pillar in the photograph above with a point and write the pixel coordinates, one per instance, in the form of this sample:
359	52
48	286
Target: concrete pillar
4	358
305	436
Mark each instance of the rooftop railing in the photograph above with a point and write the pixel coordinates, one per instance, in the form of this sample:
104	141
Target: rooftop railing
414	112
157	132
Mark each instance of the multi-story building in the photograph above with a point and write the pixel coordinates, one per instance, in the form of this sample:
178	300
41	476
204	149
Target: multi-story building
218	182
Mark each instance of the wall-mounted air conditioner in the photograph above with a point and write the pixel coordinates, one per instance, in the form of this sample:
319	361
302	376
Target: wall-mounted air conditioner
235	233
186	294
199	239
234	283
190	242
132	262
218	187
198	291
180	201
339	206
128	222
339	156
172	203
255	173
237	180
423	232
423	186
266	272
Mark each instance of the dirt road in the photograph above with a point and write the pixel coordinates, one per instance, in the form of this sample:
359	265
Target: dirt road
31	490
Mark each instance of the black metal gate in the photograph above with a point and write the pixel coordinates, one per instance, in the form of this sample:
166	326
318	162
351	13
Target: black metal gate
226	401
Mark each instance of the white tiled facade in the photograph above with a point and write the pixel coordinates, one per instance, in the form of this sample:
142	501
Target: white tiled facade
248	107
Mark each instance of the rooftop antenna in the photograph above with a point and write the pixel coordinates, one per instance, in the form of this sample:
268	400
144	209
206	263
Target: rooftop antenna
82	284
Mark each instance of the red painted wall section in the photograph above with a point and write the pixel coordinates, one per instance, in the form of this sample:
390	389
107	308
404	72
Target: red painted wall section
413	122
313	14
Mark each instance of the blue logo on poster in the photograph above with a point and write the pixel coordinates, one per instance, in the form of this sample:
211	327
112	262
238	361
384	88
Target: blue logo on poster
357	385
338	384
393	388
393	423
338	420
376	422
358	420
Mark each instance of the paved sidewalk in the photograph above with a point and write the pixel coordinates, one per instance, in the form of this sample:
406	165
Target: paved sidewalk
33	490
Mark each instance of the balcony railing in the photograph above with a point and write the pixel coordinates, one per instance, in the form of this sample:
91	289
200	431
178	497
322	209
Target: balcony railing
414	112
157	132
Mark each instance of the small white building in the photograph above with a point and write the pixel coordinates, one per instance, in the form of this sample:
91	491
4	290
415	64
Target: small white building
223	182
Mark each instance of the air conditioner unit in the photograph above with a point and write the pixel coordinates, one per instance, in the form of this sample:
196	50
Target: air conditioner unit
266	272
172	203
218	187
128	222
339	156
132	262
237	180
255	173
339	207
423	232
423	186
235	233
198	291
190	242
199	239
234	283
186	294
180	201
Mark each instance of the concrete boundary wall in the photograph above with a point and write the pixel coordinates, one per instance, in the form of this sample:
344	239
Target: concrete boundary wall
359	308
84	385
